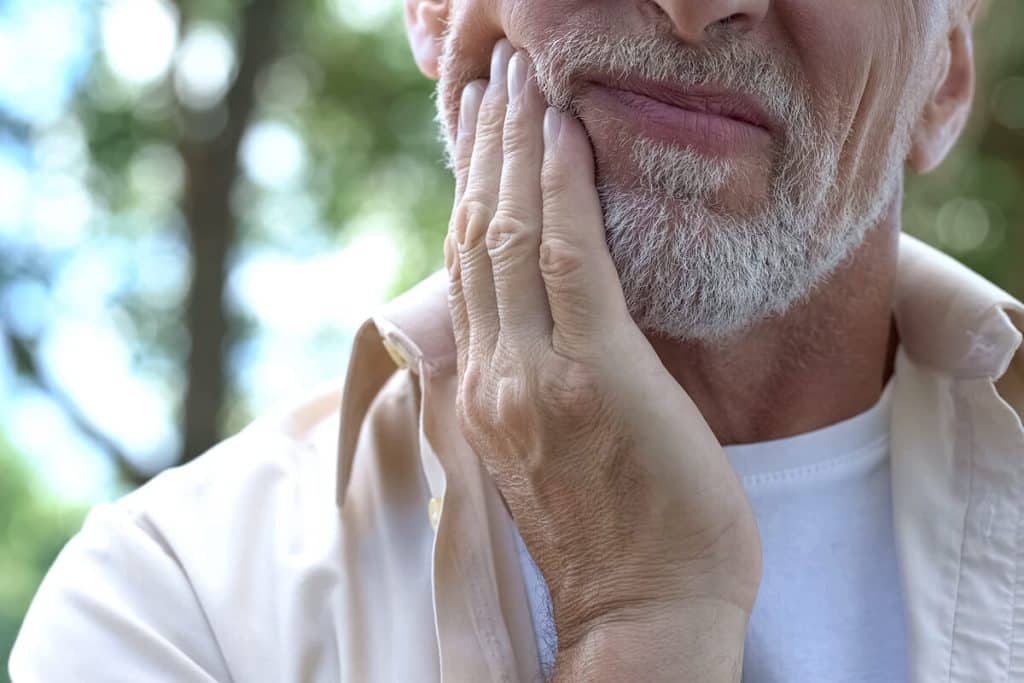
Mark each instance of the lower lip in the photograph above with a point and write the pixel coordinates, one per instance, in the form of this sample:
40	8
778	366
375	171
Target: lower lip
705	132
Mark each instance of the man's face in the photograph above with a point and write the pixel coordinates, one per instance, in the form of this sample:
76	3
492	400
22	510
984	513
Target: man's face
737	165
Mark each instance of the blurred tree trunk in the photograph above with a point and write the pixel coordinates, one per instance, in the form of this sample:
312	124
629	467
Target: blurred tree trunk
211	171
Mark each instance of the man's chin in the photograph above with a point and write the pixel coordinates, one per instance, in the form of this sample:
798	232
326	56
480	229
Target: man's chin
686	213
730	191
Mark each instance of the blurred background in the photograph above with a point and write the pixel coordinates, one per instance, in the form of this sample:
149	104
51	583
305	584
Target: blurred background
200	201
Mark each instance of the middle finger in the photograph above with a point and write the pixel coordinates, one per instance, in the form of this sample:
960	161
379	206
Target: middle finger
516	229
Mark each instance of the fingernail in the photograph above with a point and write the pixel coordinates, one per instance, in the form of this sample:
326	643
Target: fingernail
469	107
552	126
516	76
499	61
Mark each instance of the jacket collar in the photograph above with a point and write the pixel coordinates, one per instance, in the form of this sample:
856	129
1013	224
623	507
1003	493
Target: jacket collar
951	318
948	317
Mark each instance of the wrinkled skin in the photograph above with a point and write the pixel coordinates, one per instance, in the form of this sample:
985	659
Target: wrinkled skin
857	60
611	466
571	434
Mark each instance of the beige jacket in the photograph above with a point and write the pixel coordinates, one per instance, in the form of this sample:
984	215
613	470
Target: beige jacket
290	554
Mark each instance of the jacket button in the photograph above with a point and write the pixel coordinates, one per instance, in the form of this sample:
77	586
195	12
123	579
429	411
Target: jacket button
395	354
434	512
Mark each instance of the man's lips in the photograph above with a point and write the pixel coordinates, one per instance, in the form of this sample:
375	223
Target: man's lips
714	120
705	100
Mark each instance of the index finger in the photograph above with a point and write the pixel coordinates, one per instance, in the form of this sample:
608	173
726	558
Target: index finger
584	292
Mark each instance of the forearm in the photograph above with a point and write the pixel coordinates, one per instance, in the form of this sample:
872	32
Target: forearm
699	642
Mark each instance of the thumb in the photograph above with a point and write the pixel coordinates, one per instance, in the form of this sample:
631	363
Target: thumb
583	288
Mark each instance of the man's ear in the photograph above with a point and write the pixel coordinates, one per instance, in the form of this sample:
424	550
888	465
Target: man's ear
425	21
946	111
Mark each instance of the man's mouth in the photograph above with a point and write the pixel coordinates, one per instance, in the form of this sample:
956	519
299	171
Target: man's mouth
711	120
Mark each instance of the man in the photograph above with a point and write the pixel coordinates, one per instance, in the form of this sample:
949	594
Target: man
683	406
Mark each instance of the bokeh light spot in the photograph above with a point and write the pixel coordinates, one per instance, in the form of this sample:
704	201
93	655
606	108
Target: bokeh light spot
963	225
1008	103
205	66
273	154
139	37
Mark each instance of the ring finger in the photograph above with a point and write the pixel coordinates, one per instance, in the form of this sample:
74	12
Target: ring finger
478	206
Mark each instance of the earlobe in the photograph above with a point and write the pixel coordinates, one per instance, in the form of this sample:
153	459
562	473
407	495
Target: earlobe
425	22
946	110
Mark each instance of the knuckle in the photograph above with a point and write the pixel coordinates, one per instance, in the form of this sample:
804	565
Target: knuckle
468	398
512	405
474	217
498	410
559	258
506	231
572	389
472	378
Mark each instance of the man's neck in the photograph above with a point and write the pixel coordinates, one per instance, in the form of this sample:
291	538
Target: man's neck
825	360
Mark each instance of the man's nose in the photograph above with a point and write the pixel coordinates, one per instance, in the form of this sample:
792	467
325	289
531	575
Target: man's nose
693	20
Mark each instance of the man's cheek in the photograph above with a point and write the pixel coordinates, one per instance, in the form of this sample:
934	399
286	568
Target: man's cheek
476	26
527	22
531	24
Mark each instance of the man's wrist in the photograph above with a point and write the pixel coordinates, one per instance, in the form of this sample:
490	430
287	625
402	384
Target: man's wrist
697	641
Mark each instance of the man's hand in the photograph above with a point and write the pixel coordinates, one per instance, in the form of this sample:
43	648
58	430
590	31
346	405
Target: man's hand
619	488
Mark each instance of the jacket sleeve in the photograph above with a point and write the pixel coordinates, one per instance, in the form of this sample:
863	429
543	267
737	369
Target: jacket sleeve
115	606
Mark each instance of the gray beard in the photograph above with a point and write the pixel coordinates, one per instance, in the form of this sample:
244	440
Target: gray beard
691	272
689	269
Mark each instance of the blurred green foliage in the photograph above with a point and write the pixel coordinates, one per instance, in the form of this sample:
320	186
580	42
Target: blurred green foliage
365	118
34	526
971	205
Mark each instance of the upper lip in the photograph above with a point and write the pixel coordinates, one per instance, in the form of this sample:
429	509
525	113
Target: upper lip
704	99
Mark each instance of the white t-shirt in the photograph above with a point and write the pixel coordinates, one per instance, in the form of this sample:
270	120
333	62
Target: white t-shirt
829	607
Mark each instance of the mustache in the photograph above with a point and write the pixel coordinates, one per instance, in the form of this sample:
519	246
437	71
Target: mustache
727	60
566	56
